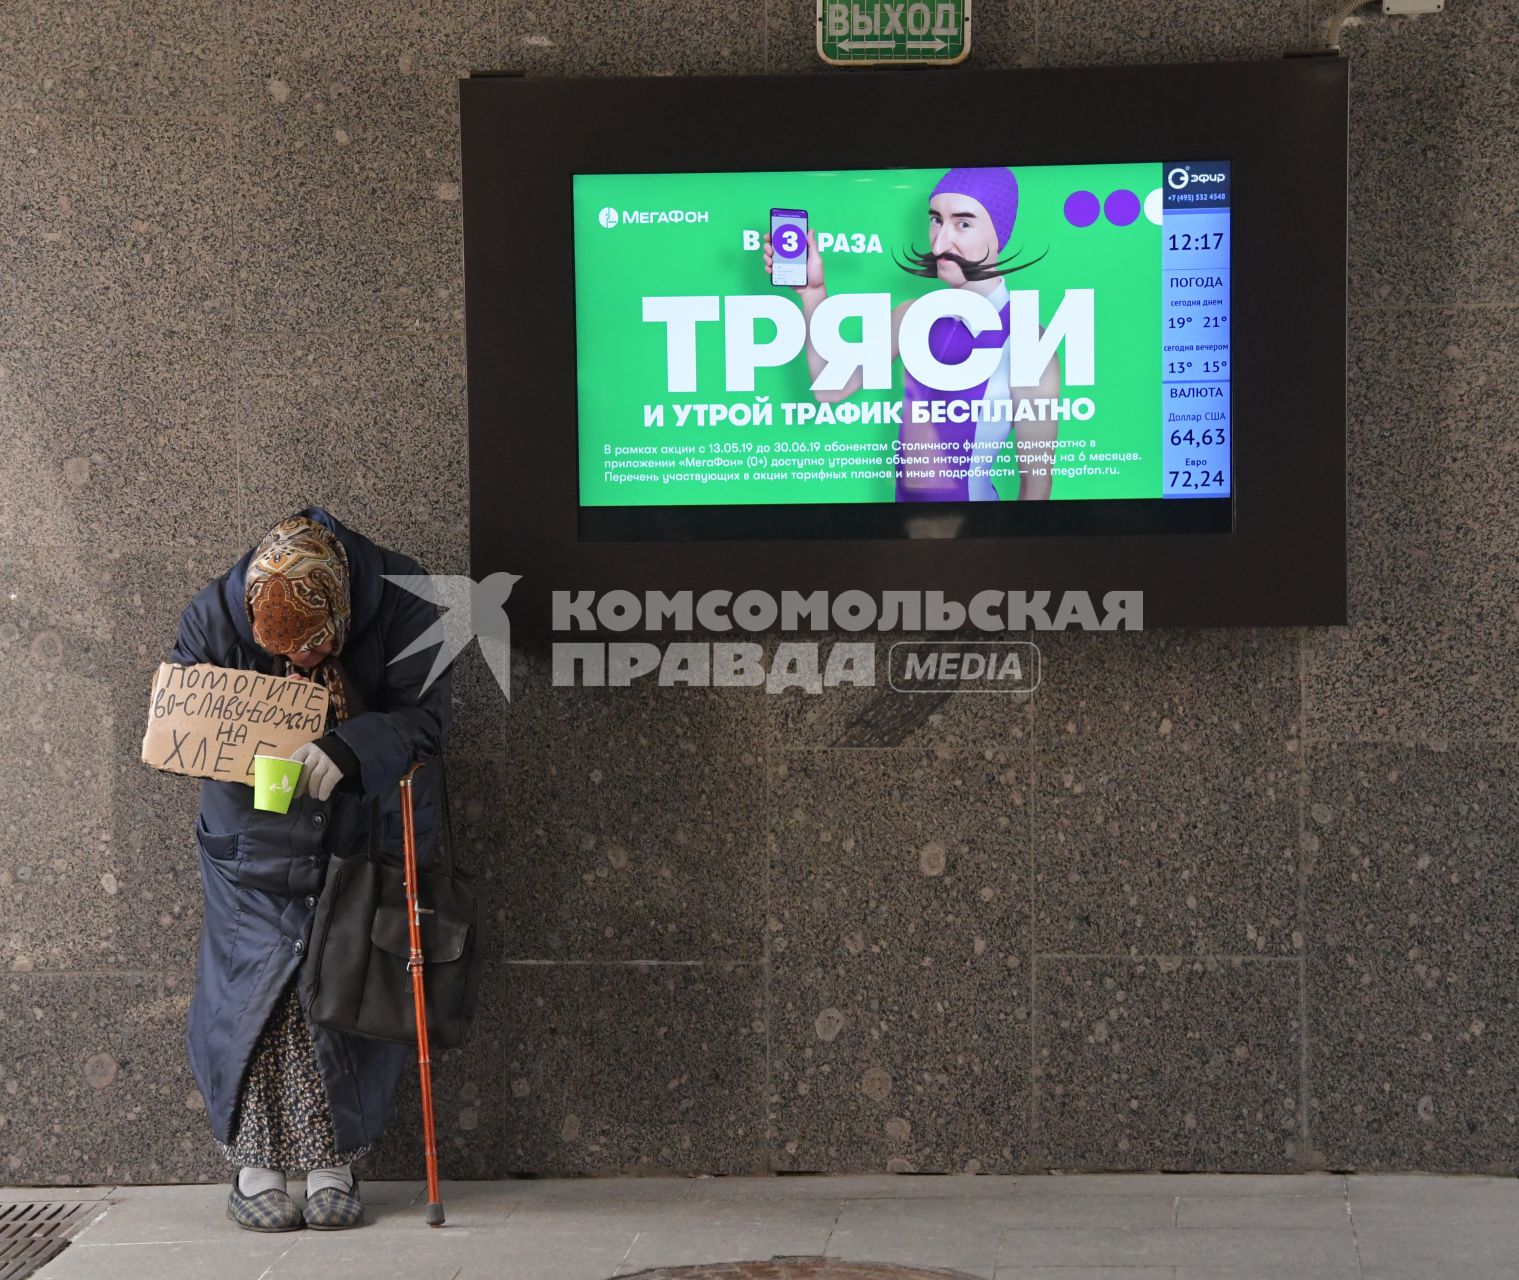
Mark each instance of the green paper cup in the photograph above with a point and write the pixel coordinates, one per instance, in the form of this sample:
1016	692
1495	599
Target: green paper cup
274	780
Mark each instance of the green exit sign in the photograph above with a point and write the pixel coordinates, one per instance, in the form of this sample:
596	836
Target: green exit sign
856	33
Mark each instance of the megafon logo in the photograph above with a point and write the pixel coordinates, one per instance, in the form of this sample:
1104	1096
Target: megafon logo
476	610
610	217
1178	178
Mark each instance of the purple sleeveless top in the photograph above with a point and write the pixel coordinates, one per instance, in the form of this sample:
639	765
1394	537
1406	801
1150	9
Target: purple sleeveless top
949	342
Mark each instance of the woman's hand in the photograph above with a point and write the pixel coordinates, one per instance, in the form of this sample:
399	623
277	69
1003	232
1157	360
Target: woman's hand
318	769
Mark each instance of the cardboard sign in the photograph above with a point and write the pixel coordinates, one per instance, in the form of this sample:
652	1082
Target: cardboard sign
209	722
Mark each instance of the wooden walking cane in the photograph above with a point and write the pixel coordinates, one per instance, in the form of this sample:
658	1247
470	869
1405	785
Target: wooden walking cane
434	1215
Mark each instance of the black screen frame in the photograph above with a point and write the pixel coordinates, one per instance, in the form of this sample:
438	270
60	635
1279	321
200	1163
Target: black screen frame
1281	124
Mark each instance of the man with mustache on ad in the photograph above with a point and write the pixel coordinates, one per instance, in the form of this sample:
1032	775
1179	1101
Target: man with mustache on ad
971	214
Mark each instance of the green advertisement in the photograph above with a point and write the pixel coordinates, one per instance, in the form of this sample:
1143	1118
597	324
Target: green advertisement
870	336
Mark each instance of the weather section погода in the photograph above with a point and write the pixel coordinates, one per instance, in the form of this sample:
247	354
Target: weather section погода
1195	330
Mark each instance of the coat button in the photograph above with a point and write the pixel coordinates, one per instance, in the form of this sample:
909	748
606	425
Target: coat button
318	819
310	902
299	946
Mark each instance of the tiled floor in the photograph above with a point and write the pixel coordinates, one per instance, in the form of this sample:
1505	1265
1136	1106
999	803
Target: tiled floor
1077	1227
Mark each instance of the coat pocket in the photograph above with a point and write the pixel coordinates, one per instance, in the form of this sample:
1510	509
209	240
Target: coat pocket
443	939
390	842
390	821
219	846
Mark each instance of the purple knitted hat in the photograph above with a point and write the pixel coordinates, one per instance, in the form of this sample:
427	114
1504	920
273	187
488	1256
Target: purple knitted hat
996	189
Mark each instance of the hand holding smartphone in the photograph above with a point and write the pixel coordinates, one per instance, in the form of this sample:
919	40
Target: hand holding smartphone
788	243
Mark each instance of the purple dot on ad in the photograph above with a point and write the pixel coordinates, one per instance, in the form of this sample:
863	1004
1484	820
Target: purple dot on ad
789	240
1081	208
1122	208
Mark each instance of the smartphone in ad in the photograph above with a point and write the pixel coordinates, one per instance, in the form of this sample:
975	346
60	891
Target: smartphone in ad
788	244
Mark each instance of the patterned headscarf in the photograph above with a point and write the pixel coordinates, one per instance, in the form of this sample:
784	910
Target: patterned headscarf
298	598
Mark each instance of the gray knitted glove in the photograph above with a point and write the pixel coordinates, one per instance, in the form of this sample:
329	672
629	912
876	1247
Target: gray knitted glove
321	772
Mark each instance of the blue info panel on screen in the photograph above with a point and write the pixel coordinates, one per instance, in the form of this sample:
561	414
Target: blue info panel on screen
1195	329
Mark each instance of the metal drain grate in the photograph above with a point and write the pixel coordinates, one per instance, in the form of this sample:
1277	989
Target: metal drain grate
33	1234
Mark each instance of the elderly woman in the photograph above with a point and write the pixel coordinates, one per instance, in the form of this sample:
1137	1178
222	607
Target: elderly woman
311	600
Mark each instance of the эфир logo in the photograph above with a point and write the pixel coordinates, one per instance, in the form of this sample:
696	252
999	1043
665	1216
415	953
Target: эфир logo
1178	178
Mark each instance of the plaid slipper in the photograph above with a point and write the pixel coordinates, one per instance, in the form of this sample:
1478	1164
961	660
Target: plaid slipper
332	1210
271	1210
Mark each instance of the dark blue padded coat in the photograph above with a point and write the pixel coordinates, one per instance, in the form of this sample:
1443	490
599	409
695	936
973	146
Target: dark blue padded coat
262	872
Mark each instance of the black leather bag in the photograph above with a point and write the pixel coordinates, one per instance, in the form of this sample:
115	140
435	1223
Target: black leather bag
361	944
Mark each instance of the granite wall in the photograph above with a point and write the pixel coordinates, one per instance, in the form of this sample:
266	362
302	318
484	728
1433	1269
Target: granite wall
1208	901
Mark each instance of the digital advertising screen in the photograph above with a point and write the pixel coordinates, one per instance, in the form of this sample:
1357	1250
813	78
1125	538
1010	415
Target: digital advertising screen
1042	329
1031	337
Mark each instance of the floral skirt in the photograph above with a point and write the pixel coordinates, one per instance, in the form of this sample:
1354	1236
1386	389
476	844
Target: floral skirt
282	1120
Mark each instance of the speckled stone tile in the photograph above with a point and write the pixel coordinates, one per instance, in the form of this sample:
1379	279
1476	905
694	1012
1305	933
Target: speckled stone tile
1167	1063
151	879
348	220
476	787
371	428
1093	32
353	57
55	871
878	716
899	957
217	197
1431	396
1412	936
1429	650
180	55
60	56
1002	35
114	224
677	37
1166	793
98	870
1433	153
635	1068
95	1083
481	710
113	56
635	819
1433	534
117	438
